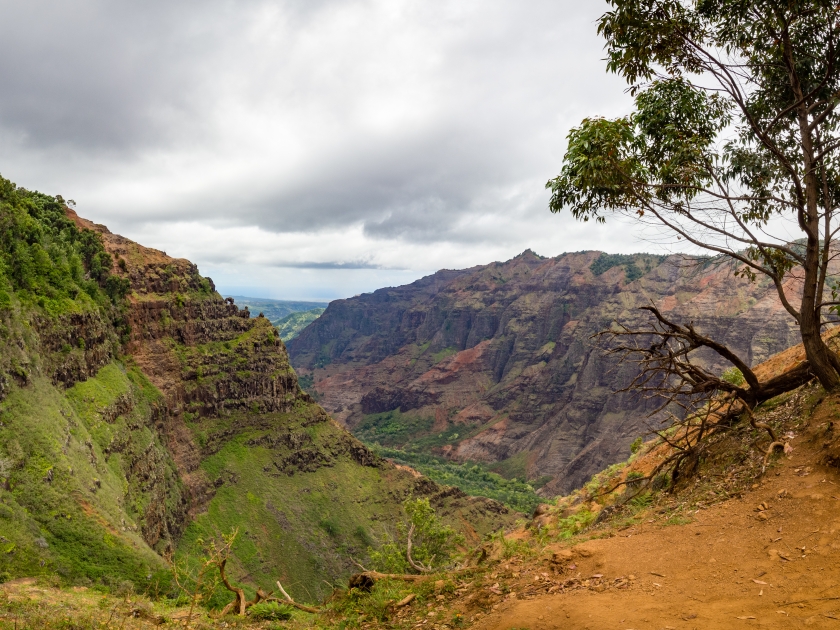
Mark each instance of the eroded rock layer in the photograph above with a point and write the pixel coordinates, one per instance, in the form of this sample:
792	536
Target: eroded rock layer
141	415
500	363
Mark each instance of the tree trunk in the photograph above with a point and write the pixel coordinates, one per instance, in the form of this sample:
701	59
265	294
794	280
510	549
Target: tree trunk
819	355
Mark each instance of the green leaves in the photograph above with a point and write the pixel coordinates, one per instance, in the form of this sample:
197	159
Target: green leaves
601	169
645	34
44	256
433	542
666	149
677	126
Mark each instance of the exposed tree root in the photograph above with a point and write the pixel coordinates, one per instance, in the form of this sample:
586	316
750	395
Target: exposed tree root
239	604
696	403
761	425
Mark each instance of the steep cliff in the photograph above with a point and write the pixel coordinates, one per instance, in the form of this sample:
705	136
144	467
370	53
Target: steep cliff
497	363
140	412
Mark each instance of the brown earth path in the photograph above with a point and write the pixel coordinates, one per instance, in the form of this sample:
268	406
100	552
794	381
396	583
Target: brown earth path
731	567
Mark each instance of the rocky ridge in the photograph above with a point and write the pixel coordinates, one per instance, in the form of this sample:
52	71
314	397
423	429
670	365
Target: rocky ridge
499	360
137	427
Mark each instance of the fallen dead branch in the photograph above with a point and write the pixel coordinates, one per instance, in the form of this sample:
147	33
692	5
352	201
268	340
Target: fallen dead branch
288	600
366	579
695	403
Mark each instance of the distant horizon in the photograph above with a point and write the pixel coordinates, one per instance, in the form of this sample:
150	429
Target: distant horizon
228	294
262	293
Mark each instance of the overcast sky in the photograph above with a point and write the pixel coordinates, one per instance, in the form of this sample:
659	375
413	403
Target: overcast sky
308	149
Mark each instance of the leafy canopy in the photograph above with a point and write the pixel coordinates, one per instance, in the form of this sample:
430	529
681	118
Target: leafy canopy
46	258
732	144
715	145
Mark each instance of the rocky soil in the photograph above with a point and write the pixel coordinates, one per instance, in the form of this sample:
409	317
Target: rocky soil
502	354
766	558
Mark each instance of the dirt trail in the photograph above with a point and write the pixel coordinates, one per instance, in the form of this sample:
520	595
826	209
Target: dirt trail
731	567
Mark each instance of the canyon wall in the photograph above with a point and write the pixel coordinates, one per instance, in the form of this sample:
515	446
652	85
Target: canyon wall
135	427
499	361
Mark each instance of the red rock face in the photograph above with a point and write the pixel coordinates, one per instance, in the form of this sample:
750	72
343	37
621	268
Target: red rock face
506	351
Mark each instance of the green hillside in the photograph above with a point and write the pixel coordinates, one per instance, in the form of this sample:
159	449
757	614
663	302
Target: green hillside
291	325
141	414
275	310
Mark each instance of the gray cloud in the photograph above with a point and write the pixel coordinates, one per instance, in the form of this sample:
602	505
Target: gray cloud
329	265
411	121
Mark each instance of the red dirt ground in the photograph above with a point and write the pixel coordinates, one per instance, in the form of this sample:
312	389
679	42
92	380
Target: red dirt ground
733	566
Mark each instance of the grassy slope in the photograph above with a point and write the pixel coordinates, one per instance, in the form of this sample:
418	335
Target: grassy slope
88	489
302	521
724	538
69	507
291	325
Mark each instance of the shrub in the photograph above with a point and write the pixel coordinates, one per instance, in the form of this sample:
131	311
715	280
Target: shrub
270	611
433	542
734	376
44	254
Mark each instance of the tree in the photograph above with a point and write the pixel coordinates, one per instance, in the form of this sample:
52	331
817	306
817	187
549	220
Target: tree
424	544
732	147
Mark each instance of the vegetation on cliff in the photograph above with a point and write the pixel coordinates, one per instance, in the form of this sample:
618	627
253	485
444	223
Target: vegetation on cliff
291	325
474	478
470	368
141	415
613	550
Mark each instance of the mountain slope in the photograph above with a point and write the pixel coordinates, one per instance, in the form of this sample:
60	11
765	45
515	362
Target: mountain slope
497	363
140	411
275	310
291	325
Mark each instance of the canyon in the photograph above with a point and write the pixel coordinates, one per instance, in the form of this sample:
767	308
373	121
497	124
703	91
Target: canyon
143	415
499	364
